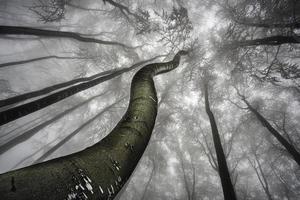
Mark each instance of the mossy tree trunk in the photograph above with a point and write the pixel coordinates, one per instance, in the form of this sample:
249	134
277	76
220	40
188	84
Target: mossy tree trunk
100	171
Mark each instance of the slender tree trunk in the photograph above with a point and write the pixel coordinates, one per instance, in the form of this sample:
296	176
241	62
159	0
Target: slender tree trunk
27	108
28	134
269	25
83	8
29	95
261	176
2	65
19	30
153	170
121	7
290	148
272	40
72	134
100	171
228	190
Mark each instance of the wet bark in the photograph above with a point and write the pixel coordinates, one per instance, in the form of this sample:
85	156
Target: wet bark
99	171
19	30
228	190
27	108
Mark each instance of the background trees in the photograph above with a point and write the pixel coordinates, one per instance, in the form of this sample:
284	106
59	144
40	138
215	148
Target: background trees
249	45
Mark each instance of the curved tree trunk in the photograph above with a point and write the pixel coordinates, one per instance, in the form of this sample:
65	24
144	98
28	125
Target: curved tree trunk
228	190
29	95
100	171
27	108
19	30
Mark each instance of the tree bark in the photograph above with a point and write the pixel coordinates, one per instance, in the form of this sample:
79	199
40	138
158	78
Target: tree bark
29	95
228	190
19	30
100	171
27	108
290	148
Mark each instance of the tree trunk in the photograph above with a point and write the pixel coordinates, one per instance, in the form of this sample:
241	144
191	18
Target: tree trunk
72	134
27	108
19	30
272	40
290	148
2	65
265	24
31	132
29	95
100	171
228	190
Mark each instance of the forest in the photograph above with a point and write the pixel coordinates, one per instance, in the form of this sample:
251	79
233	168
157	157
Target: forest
149	99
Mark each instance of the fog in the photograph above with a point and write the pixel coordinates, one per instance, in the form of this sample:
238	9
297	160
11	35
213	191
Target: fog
245	52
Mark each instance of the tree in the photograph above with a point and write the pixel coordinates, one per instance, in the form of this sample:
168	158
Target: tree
227	186
100	170
257	166
257	28
27	108
15	30
289	147
251	44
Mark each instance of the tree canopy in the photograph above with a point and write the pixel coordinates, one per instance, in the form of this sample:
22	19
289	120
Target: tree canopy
228	121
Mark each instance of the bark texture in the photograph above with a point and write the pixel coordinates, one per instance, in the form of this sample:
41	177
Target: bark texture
228	190
100	171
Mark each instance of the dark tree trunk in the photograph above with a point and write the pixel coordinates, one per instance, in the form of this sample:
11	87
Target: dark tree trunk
27	108
2	65
228	190
100	171
272	40
29	95
71	135
269	25
290	148
19	30
29	133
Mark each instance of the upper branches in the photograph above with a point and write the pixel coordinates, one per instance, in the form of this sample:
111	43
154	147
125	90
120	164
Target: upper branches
176	28
17	30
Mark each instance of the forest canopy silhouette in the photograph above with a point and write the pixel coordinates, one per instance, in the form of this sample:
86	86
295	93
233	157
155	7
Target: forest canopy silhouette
150	99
